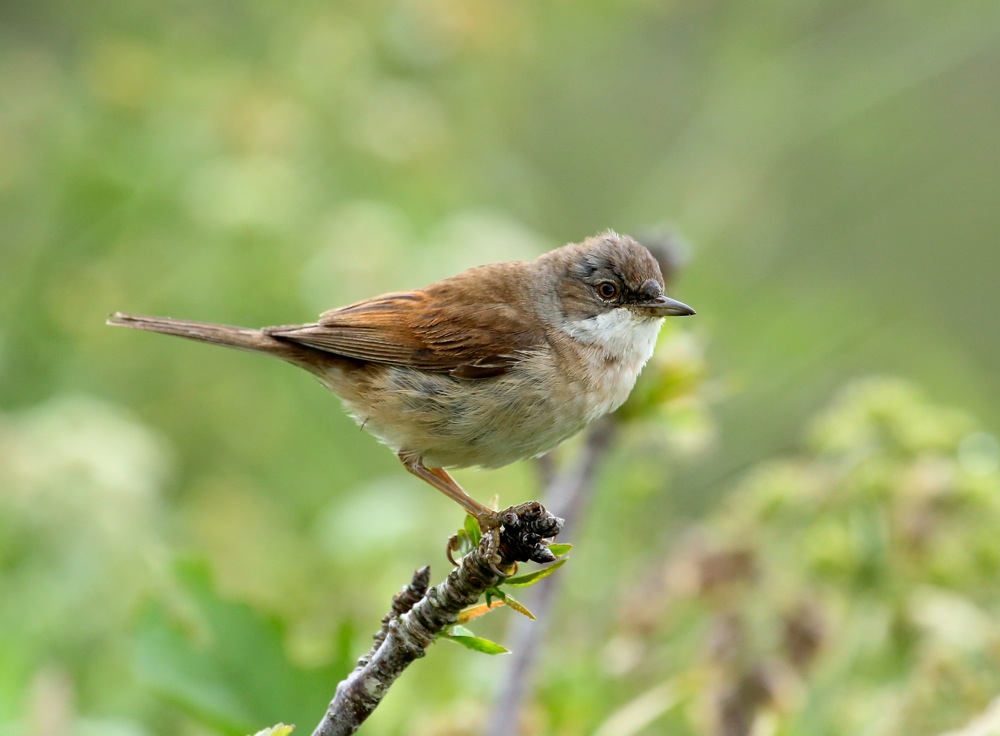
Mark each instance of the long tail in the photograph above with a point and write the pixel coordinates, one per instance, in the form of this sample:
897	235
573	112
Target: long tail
234	337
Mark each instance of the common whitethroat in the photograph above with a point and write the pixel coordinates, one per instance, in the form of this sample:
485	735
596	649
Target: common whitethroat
500	363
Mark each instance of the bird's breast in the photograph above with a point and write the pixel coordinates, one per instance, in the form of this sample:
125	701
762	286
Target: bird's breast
548	396
610	351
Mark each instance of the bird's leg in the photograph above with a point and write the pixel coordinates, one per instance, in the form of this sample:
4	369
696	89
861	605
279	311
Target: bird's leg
439	478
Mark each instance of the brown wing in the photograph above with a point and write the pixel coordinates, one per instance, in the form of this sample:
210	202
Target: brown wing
439	329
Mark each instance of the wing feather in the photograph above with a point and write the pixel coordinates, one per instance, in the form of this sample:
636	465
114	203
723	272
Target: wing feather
438	329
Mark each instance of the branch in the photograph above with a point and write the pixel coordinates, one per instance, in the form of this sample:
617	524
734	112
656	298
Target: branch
419	614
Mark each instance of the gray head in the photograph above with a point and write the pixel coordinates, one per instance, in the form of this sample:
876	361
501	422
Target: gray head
608	272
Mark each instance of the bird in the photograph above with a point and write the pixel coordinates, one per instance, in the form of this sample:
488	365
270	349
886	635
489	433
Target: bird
499	363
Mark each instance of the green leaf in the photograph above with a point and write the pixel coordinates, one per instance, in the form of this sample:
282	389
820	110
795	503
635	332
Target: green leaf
224	662
473	530
494	592
280	730
517	606
523	581
461	635
560	549
460	543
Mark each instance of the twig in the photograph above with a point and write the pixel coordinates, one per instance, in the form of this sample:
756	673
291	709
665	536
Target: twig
402	602
419	614
568	492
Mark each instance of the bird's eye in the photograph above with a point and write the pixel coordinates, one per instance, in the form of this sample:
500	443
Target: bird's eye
607	290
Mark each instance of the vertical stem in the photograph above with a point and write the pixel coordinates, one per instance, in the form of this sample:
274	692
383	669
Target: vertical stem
567	494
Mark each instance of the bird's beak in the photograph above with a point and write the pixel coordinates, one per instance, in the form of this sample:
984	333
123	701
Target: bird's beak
664	306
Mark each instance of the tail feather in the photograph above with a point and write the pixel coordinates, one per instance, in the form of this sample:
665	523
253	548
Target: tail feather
234	337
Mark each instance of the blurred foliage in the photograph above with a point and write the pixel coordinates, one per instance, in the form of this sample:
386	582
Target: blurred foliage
228	664
849	589
833	165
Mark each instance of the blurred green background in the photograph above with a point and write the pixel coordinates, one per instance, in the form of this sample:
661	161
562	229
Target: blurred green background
195	541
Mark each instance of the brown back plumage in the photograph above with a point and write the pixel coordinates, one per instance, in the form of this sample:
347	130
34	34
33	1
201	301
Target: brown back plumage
436	329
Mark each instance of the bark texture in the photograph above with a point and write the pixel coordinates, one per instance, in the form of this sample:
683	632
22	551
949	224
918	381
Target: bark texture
419	613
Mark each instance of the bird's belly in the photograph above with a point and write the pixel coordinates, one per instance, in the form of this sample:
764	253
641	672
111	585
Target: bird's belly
454	423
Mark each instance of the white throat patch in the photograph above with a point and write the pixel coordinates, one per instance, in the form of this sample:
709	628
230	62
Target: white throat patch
620	333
